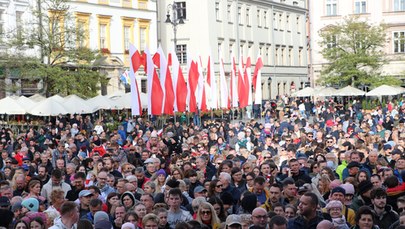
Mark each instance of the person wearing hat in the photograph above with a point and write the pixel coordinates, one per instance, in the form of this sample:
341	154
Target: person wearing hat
84	197
233	222
386	153
200	191
334	209
353	166
30	205
338	194
363	195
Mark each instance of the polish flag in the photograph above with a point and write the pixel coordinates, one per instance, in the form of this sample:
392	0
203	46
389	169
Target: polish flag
248	80
257	81
192	86
166	81
155	91
241	84
201	97
233	87
224	96
135	63
179	85
212	82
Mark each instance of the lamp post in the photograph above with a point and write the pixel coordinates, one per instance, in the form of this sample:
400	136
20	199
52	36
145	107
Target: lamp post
174	19
269	85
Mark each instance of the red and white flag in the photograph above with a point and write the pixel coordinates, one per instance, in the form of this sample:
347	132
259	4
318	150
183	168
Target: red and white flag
166	82
135	63
201	96
233	86
248	80
179	85
257	81
192	86
155	91
212	82
224	96
242	93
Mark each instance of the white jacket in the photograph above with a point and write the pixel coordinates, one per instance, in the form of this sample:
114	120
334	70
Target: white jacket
48	188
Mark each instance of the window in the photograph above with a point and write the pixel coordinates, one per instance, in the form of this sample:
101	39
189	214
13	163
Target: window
127	37
280	21
282	56
83	21
331	42
290	57
275	21
399	5
360	7
144	86
19	23
287	23
399	42
231	50
331	7
181	51
300	57
220	49
103	36
277	61
229	12
181	9
268	57
299	24
217	11
240	15
259	21
248	16
142	38
265	19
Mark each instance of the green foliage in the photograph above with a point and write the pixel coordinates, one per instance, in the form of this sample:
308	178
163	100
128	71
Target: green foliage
63	65
354	51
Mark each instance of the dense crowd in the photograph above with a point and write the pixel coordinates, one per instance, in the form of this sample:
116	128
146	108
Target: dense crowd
303	165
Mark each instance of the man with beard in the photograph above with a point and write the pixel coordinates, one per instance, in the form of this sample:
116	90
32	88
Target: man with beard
108	164
273	197
385	215
78	186
43	174
308	216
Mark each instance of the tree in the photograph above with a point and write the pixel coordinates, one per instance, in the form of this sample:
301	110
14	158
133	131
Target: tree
354	51
63	63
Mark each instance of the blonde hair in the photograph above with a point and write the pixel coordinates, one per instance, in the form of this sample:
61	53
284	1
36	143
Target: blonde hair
215	222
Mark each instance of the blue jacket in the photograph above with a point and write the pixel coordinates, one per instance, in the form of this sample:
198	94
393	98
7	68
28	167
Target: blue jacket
300	222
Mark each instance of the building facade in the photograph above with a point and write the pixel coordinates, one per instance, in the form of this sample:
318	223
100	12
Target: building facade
110	26
390	12
275	30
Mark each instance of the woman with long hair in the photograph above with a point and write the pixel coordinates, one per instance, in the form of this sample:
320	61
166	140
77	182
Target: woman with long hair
34	190
112	202
214	189
218	207
206	215
324	186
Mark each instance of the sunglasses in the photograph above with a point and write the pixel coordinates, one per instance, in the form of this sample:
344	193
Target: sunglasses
219	186
205	212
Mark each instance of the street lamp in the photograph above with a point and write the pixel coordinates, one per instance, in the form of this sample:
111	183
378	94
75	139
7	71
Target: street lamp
174	19
269	85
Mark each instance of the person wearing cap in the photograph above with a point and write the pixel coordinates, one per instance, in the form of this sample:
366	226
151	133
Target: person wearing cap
334	209
338	194
384	212
353	166
200	191
363	195
84	197
233	222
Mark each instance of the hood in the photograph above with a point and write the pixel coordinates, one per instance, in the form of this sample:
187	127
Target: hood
130	194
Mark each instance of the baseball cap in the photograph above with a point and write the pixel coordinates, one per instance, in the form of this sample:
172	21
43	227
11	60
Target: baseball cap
233	219
85	193
353	164
149	160
199	189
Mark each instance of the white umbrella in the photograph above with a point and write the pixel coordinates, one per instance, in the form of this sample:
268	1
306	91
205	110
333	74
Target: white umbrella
385	90
48	107
25	102
306	92
77	105
11	107
349	91
37	97
326	92
58	98
100	102
124	101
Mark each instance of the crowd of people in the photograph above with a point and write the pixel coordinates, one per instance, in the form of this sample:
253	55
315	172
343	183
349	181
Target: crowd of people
304	165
